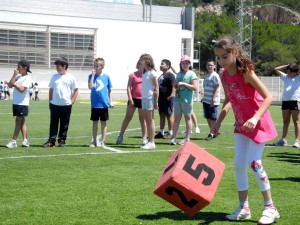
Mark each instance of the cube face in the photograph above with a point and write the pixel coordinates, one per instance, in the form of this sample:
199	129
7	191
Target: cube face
190	178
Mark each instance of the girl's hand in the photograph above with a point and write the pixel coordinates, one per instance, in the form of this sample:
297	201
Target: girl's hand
250	125
216	128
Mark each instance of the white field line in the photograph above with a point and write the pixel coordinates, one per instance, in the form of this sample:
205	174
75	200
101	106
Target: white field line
112	150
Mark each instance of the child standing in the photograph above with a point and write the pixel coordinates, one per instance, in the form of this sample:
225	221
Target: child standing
150	94
63	91
250	100
134	93
185	84
21	82
101	100
290	102
211	97
165	98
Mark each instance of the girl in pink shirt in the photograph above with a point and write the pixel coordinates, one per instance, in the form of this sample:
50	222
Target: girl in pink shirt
249	99
134	92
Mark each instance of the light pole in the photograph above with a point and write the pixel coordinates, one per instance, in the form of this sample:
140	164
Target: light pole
199	42
216	61
198	88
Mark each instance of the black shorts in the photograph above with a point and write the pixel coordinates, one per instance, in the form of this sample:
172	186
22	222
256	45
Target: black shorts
291	105
97	113
165	107
20	110
210	113
137	103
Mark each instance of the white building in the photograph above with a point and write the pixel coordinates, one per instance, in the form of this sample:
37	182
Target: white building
81	30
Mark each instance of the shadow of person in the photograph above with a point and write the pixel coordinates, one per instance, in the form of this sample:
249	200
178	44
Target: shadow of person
202	217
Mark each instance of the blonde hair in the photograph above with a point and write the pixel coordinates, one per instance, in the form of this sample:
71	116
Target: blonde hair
100	61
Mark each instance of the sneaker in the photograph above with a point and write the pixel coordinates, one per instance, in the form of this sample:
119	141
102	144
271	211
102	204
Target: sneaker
183	141
93	145
49	144
209	137
184	132
25	143
12	144
197	130
119	140
159	135
239	214
173	141
269	215
281	142
144	141
102	145
296	144
149	145
168	135
61	143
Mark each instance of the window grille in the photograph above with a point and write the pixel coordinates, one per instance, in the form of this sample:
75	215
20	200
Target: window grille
42	46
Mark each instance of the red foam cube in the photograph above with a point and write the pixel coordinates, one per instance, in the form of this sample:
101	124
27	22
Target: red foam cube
190	178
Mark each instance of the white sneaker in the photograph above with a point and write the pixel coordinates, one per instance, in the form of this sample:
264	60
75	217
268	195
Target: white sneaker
25	143
197	130
102	145
145	141
183	141
269	215
296	144
239	214
149	145
173	141
12	144
92	145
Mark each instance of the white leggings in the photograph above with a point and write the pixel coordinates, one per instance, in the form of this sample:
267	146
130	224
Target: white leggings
249	153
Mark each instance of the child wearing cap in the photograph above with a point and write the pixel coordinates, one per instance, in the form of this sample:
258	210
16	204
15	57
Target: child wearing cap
185	85
21	82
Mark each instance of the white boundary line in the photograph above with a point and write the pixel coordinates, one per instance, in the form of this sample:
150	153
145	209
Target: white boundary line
112	150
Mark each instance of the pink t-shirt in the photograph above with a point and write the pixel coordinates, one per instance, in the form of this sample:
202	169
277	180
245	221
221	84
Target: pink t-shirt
245	102
136	89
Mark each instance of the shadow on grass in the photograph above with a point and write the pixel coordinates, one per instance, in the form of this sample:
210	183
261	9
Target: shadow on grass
290	157
205	217
292	179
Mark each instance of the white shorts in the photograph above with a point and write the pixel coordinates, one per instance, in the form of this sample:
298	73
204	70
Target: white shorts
148	104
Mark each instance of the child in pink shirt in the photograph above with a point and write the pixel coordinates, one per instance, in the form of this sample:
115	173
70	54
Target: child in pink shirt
250	100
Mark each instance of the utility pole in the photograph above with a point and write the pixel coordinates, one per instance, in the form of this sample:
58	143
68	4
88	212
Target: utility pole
243	24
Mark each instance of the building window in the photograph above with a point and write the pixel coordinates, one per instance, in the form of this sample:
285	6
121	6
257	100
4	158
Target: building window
43	46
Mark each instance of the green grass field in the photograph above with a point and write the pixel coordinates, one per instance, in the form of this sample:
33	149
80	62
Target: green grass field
82	185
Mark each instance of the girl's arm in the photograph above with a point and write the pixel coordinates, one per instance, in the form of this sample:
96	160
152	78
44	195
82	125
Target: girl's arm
129	87
279	68
155	91
251	78
192	86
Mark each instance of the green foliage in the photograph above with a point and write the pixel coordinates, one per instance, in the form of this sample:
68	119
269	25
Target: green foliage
272	44
209	27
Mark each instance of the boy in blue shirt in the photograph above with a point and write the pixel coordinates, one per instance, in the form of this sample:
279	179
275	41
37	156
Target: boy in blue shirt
101	100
